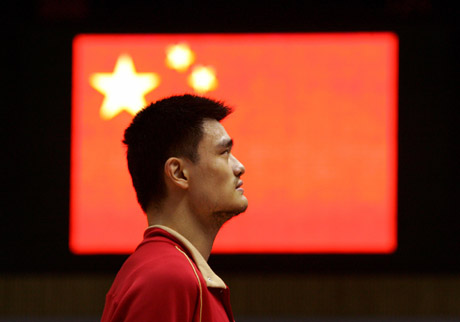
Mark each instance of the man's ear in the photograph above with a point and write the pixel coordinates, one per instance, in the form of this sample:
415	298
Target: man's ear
176	172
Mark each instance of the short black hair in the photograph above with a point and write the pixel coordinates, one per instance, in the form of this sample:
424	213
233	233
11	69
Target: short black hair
169	127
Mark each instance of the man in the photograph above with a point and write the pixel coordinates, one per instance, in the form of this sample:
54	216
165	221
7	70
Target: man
188	183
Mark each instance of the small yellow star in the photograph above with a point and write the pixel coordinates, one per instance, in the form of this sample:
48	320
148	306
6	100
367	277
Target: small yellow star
203	79
179	57
124	89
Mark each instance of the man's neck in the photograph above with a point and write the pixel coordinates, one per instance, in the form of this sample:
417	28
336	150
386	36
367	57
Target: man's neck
185	223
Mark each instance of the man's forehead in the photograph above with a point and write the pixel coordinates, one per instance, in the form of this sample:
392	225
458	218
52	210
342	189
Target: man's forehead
214	132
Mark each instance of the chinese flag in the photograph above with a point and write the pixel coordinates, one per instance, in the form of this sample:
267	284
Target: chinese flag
315	125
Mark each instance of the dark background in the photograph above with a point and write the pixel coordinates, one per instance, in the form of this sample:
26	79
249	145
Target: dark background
39	276
36	122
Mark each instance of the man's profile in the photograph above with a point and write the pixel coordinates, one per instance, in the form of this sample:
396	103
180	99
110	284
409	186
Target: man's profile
188	183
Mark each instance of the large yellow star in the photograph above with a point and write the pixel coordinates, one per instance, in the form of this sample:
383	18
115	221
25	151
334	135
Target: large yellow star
124	89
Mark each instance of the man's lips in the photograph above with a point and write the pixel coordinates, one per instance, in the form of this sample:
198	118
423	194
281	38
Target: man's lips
240	183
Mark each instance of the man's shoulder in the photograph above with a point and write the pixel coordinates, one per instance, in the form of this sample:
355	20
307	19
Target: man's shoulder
158	280
159	263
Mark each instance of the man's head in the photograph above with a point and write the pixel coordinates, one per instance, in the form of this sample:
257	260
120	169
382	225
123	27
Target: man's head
183	133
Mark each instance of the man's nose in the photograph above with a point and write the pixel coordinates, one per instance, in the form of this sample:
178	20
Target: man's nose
238	167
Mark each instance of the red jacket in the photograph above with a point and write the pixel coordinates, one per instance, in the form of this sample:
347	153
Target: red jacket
163	281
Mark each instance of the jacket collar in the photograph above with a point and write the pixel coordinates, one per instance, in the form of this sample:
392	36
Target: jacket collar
211	278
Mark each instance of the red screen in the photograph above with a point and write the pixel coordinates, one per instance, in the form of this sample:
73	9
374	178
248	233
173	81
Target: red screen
315	124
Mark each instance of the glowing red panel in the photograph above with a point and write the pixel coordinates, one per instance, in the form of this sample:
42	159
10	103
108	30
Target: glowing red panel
315	124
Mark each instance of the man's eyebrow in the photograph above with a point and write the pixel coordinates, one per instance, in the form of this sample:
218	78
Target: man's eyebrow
226	143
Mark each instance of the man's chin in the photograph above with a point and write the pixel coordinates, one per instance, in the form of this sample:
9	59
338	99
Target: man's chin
235	210
242	208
